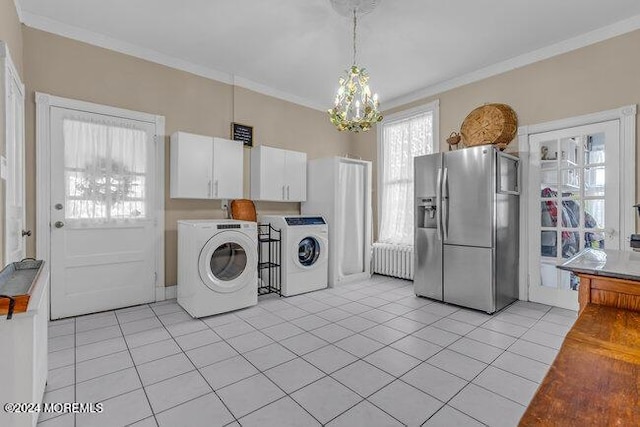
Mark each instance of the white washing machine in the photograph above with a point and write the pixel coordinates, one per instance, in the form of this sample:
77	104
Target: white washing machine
217	266
305	249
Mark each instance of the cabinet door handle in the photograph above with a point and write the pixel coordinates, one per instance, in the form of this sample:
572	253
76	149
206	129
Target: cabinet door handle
287	192
209	189
216	184
283	192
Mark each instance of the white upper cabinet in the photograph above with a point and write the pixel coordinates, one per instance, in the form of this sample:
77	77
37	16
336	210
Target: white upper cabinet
203	167
295	175
267	174
228	160
191	166
278	175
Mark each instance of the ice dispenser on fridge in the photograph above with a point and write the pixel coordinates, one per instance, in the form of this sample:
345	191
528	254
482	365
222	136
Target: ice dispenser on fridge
427	211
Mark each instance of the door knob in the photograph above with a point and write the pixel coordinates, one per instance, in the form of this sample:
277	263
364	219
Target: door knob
59	224
26	233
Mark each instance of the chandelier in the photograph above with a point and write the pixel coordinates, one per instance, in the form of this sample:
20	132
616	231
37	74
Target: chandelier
355	109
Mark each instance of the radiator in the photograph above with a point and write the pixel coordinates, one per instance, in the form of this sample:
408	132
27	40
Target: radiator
393	260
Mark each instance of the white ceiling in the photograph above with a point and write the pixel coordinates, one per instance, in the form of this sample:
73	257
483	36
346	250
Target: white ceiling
298	48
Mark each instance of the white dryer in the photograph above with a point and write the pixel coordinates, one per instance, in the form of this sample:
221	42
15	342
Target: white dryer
217	266
305	248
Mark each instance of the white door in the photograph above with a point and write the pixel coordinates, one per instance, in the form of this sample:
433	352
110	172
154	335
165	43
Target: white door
295	176
103	244
15	244
228	157
574	198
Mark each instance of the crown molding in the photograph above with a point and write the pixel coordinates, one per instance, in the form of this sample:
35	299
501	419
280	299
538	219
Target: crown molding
46	24
276	93
568	45
18	7
96	39
40	22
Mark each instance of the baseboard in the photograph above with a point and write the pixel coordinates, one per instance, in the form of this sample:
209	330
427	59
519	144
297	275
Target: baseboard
351	279
171	292
166	292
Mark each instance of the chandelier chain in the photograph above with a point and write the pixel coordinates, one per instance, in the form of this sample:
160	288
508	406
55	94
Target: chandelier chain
355	26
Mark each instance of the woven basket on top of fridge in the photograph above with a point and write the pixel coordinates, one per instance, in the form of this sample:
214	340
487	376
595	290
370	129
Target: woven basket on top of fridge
490	124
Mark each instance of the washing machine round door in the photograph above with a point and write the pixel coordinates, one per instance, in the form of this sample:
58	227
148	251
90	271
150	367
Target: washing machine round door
228	261
309	250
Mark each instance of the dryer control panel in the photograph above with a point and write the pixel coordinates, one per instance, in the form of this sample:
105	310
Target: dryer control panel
305	220
228	226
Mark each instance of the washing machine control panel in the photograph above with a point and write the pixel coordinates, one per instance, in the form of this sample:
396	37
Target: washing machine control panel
307	220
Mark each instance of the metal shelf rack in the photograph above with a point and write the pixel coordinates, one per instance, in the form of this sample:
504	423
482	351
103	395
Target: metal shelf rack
269	260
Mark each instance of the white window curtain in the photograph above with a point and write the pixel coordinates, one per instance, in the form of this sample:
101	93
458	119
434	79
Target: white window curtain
105	165
402	140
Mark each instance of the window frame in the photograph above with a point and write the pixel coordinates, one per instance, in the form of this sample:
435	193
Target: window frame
432	107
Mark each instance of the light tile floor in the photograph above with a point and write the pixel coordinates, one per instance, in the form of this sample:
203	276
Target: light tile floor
363	354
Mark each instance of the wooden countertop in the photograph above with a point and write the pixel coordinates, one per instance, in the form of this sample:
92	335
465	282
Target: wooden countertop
595	379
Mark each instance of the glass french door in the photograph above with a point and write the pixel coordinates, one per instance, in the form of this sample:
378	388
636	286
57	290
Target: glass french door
574	204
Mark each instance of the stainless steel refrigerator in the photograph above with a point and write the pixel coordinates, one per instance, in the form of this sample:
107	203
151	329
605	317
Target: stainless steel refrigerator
467	227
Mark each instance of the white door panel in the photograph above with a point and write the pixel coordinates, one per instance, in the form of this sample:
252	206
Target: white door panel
15	248
574	201
102	216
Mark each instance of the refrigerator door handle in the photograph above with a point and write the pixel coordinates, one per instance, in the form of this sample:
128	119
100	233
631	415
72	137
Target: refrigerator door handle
439	204
445	204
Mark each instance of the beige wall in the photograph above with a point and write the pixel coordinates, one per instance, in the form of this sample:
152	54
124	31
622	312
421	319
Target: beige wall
595	78
11	34
11	31
72	69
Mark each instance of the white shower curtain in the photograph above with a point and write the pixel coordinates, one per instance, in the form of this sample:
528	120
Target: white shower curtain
351	214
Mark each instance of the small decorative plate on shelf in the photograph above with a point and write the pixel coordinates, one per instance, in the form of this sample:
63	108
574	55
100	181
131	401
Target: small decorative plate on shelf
490	124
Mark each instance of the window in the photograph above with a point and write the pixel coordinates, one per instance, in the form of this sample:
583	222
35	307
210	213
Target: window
401	137
105	171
